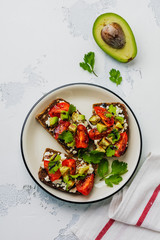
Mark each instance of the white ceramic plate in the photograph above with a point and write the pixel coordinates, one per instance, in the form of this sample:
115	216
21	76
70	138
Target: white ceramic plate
35	139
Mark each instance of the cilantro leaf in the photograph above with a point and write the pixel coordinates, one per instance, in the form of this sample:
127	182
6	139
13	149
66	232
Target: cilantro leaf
90	59
110	151
114	135
119	167
113	179
66	136
103	168
54	163
88	64
115	76
120	119
92	156
78	176
72	109
85	66
112	109
109	115
55	157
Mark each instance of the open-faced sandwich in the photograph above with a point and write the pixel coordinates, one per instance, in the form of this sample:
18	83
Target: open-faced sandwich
67	174
106	135
110	128
66	124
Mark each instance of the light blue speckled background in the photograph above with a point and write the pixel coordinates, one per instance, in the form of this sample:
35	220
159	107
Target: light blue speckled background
42	43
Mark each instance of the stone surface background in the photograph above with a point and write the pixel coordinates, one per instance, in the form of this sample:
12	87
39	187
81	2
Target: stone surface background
41	45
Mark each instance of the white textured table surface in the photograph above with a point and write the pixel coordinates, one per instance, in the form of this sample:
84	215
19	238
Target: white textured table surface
41	45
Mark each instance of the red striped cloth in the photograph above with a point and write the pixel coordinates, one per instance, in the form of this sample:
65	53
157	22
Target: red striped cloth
132	214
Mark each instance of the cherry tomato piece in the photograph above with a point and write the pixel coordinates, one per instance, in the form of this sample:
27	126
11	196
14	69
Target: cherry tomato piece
101	112
55	176
95	135
121	145
62	126
71	163
81	138
58	108
85	186
52	176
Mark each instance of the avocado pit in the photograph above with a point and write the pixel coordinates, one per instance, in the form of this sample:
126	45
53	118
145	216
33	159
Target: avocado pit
113	35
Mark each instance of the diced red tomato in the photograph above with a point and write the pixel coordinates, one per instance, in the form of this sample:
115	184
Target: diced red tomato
52	176
95	135
46	164
58	108
71	163
121	145
85	186
81	138
101	112
62	126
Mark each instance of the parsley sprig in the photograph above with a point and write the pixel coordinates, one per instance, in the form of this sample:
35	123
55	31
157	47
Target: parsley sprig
66	136
91	156
111	173
54	163
115	76
88	64
114	176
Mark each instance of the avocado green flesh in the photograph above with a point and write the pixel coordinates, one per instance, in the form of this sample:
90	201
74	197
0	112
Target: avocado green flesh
129	51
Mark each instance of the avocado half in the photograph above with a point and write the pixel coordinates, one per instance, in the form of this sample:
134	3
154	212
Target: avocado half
124	52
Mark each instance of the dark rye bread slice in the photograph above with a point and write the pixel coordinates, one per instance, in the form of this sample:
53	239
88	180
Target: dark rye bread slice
120	105
44	177
122	111
43	117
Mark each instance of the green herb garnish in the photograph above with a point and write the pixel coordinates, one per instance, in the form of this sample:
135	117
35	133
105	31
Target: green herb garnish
54	163
88	64
92	156
78	176
120	119
103	168
110	151
115	76
109	115
119	167
114	135
113	179
66	136
72	109
114	176
112	109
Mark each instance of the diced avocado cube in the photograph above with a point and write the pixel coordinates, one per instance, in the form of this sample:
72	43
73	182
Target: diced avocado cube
70	184
83	170
119	125
66	178
64	170
76	117
53	121
55	157
72	128
104	143
101	127
120	119
111	140
71	144
94	119
64	115
100	149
